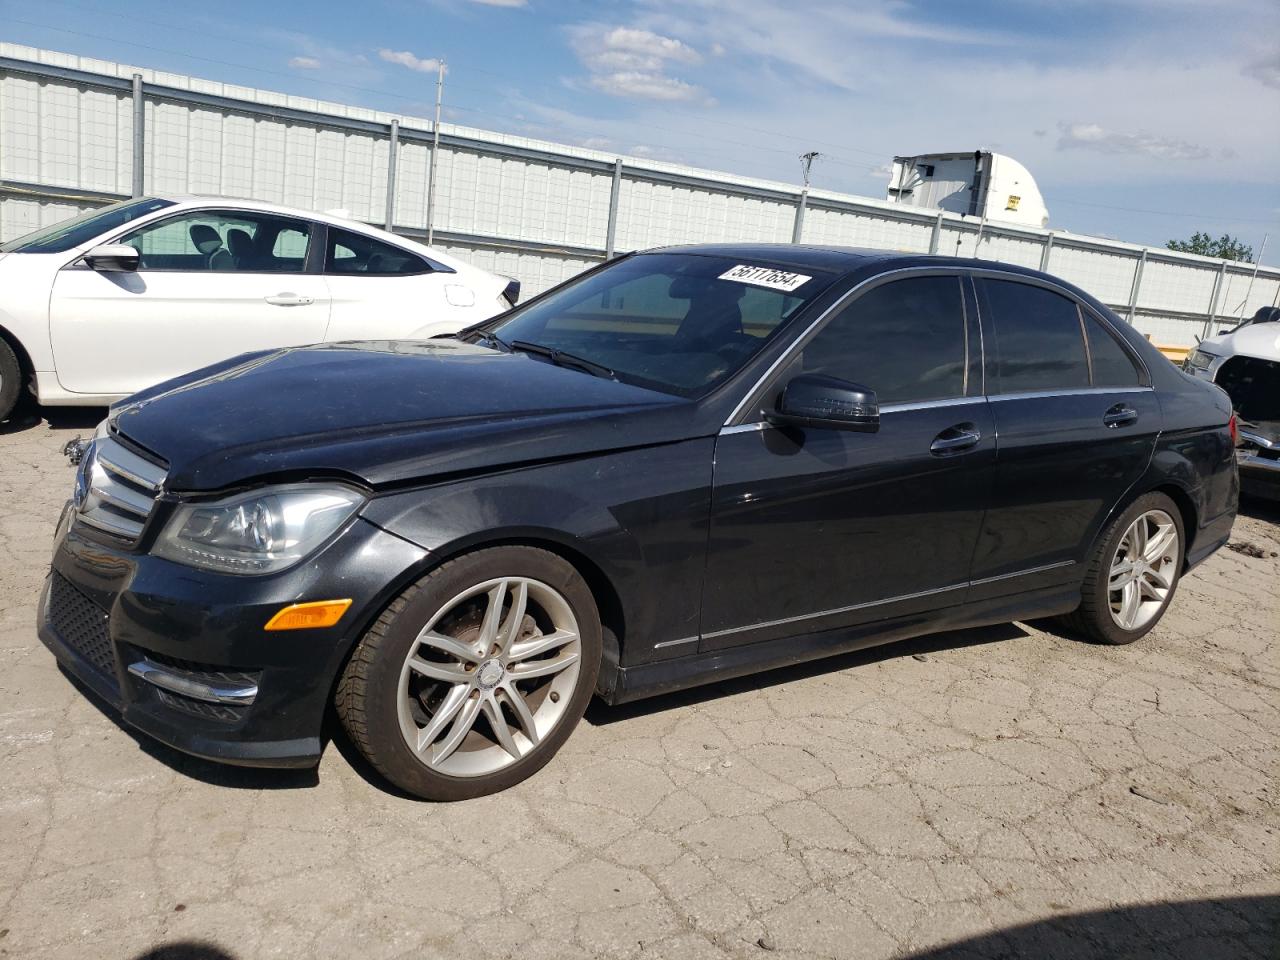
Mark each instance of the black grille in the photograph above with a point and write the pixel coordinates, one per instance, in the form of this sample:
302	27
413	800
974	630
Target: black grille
198	708
81	624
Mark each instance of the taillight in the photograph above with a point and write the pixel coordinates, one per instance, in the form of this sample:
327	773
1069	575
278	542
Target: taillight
1234	430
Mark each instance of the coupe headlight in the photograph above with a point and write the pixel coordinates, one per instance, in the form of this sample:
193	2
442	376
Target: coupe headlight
263	531
1201	359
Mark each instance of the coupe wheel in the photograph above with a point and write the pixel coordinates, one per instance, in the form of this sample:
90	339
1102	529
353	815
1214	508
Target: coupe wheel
472	679
10	380
1134	572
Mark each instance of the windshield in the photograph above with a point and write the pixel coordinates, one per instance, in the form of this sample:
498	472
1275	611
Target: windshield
76	232
680	323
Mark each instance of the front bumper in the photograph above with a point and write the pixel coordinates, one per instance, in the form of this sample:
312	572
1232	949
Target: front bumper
1259	473
182	654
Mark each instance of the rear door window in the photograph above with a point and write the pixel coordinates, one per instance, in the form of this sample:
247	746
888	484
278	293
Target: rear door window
1038	340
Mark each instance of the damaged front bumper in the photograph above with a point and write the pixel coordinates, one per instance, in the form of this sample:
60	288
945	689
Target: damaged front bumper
1258	458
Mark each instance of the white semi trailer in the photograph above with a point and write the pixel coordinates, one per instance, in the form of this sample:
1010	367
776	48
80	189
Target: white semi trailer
977	184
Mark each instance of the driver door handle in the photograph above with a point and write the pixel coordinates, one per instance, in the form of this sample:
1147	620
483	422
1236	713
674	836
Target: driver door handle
963	436
1121	415
289	300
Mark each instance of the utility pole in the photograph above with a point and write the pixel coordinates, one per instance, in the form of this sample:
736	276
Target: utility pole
806	162
1256	263
435	152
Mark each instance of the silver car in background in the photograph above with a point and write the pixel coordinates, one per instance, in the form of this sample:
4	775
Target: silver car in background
1245	362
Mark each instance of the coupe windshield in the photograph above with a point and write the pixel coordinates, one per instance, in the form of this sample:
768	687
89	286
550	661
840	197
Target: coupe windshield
680	323
76	232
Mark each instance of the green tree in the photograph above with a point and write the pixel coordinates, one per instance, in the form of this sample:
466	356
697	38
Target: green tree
1226	247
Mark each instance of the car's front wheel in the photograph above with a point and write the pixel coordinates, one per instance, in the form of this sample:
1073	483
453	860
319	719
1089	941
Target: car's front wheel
1133	573
10	379
472	678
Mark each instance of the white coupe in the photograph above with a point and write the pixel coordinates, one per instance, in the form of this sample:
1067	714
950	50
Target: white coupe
95	308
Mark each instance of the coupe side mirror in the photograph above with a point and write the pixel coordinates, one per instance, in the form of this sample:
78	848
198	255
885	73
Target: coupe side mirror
813	400
112	258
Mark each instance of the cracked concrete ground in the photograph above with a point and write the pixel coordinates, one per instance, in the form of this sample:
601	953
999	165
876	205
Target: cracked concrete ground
989	793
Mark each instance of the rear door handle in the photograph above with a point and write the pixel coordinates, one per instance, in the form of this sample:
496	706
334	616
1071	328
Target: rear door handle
962	436
1121	415
289	300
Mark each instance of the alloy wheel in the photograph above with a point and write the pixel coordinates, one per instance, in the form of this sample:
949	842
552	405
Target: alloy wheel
1143	570
489	676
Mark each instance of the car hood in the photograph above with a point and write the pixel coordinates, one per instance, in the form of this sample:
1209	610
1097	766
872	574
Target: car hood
386	412
1260	340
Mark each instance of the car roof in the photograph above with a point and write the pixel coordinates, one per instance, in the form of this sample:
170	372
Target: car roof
842	259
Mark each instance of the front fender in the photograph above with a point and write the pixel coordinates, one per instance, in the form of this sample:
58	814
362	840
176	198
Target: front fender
639	517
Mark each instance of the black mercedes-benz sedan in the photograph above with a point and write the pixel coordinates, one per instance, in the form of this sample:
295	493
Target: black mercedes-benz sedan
682	466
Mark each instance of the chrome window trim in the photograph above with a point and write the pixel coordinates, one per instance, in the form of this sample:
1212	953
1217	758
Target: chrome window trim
1073	392
879	603
930	404
887	408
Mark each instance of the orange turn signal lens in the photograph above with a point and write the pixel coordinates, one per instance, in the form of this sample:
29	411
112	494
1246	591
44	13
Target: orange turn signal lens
307	616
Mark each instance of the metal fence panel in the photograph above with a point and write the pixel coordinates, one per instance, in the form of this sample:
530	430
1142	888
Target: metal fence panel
533	210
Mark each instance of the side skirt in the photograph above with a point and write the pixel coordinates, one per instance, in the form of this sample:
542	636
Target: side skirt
666	676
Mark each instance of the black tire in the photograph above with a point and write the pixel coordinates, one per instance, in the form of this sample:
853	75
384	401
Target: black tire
1093	617
10	380
368	693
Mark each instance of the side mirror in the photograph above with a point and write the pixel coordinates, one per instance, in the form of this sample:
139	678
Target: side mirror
813	400
112	257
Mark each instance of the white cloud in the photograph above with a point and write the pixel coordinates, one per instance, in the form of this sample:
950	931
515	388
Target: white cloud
1092	136
632	62
305	63
407	59
645	86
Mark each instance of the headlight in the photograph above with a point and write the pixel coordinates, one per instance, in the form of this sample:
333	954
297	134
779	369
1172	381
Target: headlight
1201	359
263	531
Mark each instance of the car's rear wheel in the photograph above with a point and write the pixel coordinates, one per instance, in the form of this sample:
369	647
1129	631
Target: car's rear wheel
1133	574
472	678
10	380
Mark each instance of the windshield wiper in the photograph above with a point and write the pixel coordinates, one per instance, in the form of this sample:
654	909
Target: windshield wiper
491	338
562	359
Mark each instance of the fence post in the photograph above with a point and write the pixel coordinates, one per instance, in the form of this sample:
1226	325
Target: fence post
1137	284
1213	302
393	151
1048	250
935	238
615	190
797	226
139	134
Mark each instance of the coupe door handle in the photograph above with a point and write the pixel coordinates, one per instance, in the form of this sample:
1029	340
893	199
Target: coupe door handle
1121	415
962	436
288	300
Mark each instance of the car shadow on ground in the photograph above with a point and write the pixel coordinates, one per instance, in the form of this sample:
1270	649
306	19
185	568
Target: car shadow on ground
1260	509
1225	928
920	648
206	771
28	416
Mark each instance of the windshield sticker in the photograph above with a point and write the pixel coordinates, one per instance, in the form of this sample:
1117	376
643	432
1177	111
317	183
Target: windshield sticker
765	277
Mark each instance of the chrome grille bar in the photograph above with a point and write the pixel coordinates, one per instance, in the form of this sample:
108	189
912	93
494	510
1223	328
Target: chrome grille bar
122	488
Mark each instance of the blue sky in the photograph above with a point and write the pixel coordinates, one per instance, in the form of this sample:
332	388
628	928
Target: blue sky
1140	119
